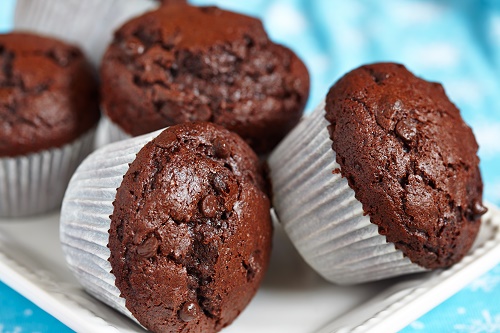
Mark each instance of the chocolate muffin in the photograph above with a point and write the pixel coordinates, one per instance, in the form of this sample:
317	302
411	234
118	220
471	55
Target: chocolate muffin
189	227
48	114
48	94
182	63
411	160
400	192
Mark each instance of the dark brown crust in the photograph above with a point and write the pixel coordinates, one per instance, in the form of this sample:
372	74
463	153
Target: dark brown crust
182	63
410	159
48	94
191	232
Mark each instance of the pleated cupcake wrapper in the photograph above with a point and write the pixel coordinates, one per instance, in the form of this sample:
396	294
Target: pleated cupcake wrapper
87	23
35	183
109	132
320	214
85	217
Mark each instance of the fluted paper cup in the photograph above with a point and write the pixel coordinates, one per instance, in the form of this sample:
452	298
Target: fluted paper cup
89	23
35	183
109	132
320	214
85	217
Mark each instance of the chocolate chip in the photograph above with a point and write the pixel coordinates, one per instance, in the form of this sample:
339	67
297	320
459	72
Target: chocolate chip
240	49
189	311
209	206
148	248
166	140
62	56
379	77
406	130
387	108
220	184
221	148
210	10
253	266
174	39
133	47
248	40
478	209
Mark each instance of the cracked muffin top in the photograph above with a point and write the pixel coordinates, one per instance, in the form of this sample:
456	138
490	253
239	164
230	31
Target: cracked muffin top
190	233
182	63
48	94
411	160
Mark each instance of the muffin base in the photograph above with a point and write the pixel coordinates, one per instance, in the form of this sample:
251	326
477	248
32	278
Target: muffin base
108	132
320	213
85	218
35	183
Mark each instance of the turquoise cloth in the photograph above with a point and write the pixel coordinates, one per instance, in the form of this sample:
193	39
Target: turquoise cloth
455	42
6	17
475	309
19	315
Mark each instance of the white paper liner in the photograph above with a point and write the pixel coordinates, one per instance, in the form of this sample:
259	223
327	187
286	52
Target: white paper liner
35	183
87	23
320	214
85	217
108	132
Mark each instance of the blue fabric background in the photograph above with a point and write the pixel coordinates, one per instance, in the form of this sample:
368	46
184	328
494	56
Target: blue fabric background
19	315
6	17
455	42
475	309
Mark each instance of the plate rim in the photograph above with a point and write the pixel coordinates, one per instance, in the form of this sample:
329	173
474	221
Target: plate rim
43	291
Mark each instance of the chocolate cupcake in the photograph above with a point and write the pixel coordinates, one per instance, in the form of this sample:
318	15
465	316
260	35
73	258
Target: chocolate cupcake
400	191
48	112
189	227
182	63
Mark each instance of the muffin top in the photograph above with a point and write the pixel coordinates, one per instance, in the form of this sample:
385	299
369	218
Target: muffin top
410	159
190	234
182	63
48	94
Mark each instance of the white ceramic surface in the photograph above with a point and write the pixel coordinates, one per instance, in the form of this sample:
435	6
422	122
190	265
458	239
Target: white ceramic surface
292	298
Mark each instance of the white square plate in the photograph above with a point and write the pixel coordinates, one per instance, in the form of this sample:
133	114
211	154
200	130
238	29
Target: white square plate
291	299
